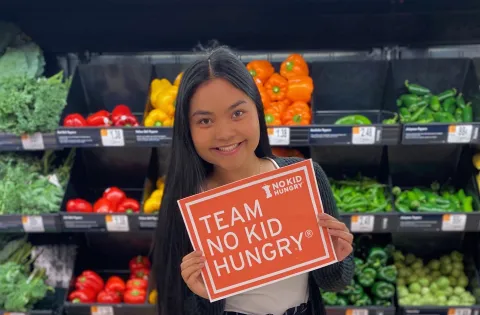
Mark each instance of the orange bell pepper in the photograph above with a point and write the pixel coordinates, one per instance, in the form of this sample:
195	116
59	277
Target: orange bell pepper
281	105
264	96
294	66
277	87
297	114
300	88
260	69
272	117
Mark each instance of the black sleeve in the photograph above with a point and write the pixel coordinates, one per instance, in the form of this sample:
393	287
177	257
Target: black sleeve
196	305
337	276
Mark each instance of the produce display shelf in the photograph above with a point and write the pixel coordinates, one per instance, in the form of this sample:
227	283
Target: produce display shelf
358	310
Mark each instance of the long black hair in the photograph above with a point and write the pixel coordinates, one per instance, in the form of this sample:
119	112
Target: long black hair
187	172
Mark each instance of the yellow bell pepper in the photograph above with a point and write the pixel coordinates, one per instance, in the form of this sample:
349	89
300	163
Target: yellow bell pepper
157	86
152	297
156	118
160	182
166	100
168	122
157	194
476	161
178	79
151	206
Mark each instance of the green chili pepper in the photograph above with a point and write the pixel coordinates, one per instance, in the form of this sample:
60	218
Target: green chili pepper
416	89
425	120
367	277
461	195
418	113
414	107
447	94
467	204
353	120
377	257
383	290
399	102
435	104
420	195
468	113
459	114
449	105
391	121
444	117
388	273
380	207
460	101
363	301
405	115
409	99
330	298
430	208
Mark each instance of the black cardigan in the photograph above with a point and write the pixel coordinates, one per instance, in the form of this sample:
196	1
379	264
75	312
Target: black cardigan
331	278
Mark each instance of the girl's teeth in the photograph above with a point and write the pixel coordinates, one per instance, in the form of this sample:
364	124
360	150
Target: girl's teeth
229	148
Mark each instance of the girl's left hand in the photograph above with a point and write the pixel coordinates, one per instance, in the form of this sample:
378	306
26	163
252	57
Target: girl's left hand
341	237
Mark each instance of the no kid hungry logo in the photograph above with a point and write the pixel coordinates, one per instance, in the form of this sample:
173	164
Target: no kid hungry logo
258	230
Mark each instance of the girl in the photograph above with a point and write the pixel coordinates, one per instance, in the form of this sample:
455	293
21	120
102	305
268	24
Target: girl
220	136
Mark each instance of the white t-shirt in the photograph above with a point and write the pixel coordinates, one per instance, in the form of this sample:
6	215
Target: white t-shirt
274	298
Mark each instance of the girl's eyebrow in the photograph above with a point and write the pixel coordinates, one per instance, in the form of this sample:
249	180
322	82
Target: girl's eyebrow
204	112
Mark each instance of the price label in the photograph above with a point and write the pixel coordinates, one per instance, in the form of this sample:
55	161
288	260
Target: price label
13	313
117	223
459	311
33	142
101	310
112	137
33	223
454	222
459	133
356	312
363	135
362	223
279	136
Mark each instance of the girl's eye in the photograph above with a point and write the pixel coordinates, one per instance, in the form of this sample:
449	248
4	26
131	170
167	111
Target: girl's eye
204	121
238	113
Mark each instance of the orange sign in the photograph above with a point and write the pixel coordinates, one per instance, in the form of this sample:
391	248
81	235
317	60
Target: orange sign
258	230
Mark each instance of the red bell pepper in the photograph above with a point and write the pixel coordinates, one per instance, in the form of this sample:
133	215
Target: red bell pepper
126	121
98	119
115	284
115	195
128	205
135	296
142	273
79	205
138	263
109	297
82	296
137	284
103	205
90	280
74	120
119	111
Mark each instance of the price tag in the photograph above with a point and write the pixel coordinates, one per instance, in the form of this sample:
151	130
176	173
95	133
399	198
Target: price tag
33	223
356	312
101	310
117	223
459	133
33	142
112	137
279	136
362	223
13	313
459	311
363	135
454	222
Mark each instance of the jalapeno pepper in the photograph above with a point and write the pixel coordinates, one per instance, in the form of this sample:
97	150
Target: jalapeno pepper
409	99
449	105
391	121
405	115
418	113
459	114
468	113
444	117
435	103
447	94
467	204
416	89
353	120
415	106
460	101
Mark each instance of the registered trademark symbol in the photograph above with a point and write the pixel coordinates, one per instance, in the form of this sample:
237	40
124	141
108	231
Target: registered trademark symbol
309	233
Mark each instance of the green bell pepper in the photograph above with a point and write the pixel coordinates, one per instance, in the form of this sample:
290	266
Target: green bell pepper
364	300
377	257
383	290
367	276
349	289
381	302
356	294
330	298
388	273
342	301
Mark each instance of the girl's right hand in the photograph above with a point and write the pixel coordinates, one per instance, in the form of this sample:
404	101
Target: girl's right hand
191	268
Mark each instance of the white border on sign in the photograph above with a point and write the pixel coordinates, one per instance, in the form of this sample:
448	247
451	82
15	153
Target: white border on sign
311	191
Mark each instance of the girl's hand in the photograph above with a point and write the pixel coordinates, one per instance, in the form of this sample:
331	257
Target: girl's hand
191	267
341	237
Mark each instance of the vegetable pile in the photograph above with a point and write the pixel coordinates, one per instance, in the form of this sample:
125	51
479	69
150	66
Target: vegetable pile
163	95
121	116
113	200
91	288
30	185
20	286
421	106
361	194
28	102
154	201
434	199
285	94
440	282
374	281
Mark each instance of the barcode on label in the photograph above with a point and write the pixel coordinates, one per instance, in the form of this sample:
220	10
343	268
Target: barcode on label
357	312
33	223
117	223
33	141
101	310
454	222
279	136
112	137
459	311
459	133
363	135
362	223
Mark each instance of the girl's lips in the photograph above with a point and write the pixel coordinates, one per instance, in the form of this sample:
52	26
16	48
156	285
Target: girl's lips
229	150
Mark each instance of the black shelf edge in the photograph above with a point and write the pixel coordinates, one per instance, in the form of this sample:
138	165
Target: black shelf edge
45	223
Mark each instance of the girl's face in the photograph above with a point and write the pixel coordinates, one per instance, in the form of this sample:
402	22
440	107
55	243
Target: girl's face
224	124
